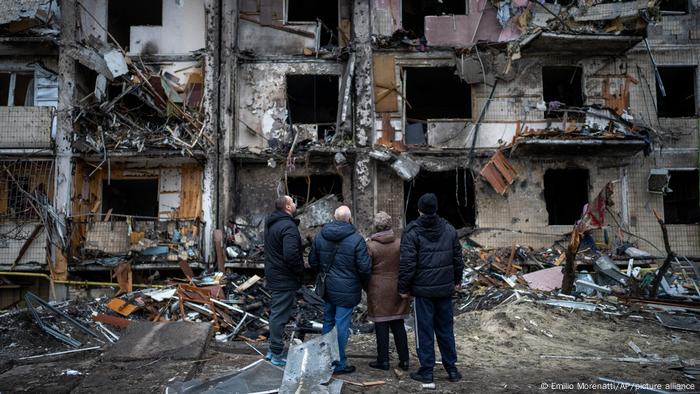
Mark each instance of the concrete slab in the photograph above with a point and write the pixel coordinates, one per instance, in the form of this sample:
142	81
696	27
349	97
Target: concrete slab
144	340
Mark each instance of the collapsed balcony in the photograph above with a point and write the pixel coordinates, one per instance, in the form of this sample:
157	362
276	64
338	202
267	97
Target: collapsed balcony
588	130
133	106
567	26
29	18
108	239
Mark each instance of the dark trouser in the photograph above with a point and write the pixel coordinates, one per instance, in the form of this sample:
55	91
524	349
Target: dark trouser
281	306
382	331
434	316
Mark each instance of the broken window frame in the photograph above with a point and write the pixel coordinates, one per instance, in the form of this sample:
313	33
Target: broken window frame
402	83
422	34
555	114
695	89
674	12
331	123
671	172
319	27
13	72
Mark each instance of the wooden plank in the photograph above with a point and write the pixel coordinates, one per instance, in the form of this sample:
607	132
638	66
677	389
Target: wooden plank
219	246
245	285
385	94
28	243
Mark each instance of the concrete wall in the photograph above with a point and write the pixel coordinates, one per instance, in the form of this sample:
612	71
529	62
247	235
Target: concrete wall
262	99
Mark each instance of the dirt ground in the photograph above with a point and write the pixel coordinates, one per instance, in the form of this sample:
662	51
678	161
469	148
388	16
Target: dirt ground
500	350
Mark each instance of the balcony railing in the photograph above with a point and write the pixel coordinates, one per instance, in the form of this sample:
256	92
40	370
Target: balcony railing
141	239
25	127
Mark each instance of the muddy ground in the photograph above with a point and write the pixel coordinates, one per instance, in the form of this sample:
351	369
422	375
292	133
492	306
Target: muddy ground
500	350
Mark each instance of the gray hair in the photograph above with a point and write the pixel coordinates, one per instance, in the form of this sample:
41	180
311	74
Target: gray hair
382	221
343	213
281	202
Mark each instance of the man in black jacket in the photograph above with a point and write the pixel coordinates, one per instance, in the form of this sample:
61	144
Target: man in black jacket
341	251
284	270
430	270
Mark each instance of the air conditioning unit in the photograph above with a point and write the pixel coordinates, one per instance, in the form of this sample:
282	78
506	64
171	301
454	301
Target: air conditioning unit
658	181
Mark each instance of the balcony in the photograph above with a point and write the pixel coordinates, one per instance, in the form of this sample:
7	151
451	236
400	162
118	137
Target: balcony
105	240
25	127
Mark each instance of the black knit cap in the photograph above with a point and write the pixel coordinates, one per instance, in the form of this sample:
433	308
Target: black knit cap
428	204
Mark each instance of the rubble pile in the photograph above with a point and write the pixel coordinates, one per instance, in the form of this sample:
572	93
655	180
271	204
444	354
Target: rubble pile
137	107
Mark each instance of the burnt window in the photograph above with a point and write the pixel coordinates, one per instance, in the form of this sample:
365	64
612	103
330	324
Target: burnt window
312	10
454	191
435	93
16	89
682	203
122	14
674	6
564	85
414	12
313	99
308	189
565	194
134	197
679	84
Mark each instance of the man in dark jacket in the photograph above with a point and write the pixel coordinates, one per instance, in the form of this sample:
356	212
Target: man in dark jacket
430	269
341	252
284	269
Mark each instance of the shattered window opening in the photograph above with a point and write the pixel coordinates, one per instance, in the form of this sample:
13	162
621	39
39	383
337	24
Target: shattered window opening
313	99
679	84
674	6
313	10
562	84
308	189
435	93
119	197
122	14
413	12
454	191
16	89
682	203
565	194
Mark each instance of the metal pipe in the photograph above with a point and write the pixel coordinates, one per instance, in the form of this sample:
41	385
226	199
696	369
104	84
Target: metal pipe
75	282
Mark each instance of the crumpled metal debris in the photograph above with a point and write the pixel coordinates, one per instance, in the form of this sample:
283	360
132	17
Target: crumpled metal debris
310	366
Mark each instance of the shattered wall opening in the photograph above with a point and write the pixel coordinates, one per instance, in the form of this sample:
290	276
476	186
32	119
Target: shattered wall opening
682	203
434	93
16	89
122	14
313	10
679	84
306	189
562	84
133	197
674	6
313	99
413	12
565	194
455	193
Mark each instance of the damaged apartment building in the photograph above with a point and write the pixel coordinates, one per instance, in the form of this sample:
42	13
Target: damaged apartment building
144	138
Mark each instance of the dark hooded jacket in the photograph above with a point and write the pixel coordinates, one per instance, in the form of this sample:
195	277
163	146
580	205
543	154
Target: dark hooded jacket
431	258
349	271
284	264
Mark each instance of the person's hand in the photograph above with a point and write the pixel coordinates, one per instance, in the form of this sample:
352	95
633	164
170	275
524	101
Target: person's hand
307	265
404	296
458	288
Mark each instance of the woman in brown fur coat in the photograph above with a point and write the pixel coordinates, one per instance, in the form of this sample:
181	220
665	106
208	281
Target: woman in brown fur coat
384	305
